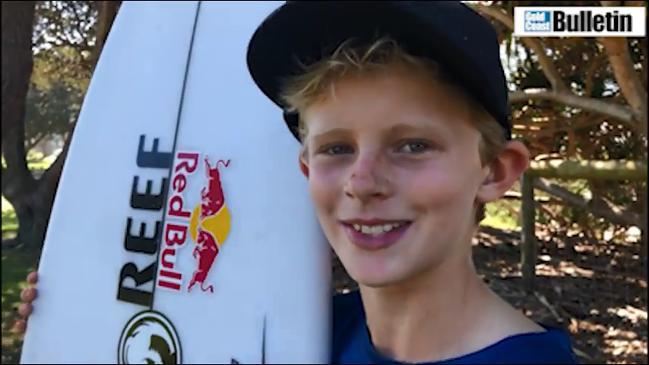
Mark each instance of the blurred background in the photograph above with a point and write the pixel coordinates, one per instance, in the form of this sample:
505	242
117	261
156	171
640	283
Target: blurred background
567	245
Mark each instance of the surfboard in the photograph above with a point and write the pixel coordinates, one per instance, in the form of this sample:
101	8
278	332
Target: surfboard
182	230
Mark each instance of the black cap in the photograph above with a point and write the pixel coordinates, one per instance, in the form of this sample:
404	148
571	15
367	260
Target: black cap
449	32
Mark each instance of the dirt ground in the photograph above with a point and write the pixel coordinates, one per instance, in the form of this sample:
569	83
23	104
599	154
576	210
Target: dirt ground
597	291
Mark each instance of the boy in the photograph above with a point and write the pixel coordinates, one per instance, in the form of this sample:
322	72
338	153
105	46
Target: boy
401	109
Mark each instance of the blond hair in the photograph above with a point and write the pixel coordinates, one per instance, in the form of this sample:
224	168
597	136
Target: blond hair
301	91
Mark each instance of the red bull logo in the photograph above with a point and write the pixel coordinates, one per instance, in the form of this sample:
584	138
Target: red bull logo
208	224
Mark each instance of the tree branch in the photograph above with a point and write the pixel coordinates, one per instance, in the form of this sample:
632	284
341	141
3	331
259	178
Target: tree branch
53	173
31	144
589	169
586	121
3	180
535	44
617	111
594	66
626	76
624	218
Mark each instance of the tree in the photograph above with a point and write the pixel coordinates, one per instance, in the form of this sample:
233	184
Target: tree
52	32
50	112
580	99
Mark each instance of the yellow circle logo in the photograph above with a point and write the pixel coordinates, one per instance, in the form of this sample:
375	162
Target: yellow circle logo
218	224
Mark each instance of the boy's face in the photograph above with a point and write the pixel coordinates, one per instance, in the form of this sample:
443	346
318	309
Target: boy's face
393	148
395	155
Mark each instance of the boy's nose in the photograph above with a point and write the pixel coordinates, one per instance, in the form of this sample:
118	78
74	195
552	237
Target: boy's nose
367	180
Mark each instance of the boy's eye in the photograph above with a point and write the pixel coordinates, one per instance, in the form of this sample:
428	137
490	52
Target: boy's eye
414	147
335	149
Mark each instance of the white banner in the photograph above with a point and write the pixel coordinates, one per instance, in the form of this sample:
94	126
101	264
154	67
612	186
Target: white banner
579	21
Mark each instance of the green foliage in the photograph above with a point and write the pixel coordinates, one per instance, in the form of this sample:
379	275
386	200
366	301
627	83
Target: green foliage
50	111
64	23
62	65
63	40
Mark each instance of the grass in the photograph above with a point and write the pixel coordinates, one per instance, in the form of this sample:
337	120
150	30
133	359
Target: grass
36	160
16	263
9	220
37	163
502	214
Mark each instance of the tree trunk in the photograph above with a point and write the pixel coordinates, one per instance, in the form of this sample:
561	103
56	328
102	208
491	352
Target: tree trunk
32	199
528	236
17	61
105	17
33	213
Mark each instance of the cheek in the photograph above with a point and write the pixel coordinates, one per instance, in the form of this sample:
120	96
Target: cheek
325	187
442	187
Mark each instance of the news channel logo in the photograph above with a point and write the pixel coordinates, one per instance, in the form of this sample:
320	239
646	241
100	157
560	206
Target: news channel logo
537	21
580	21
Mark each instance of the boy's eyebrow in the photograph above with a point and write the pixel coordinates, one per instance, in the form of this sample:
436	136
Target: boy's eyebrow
401	128
332	132
418	127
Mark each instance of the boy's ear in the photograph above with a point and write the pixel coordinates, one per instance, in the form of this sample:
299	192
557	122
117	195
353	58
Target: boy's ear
303	166
504	171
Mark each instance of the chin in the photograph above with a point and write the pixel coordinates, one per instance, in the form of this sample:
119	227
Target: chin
374	283
379	281
373	273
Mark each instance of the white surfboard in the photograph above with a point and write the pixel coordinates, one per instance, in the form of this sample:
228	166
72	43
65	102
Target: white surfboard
182	230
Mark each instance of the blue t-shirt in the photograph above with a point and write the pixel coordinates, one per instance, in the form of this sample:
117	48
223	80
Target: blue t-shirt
352	344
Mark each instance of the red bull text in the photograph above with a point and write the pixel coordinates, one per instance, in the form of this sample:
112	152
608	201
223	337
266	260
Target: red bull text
207	224
177	221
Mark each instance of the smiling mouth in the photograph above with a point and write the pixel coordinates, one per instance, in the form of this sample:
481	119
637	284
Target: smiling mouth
375	235
377	229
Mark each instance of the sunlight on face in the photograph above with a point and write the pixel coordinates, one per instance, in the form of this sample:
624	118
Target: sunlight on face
394	169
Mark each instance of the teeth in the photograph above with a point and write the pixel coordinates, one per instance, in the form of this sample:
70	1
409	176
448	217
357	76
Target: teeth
376	230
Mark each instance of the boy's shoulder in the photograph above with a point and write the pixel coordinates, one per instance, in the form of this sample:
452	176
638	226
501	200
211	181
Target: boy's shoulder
349	343
553	346
348	320
347	307
348	299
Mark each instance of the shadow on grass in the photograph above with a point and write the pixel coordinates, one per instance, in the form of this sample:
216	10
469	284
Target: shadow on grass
595	290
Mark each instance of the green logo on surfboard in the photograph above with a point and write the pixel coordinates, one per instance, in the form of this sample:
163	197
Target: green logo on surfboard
149	338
